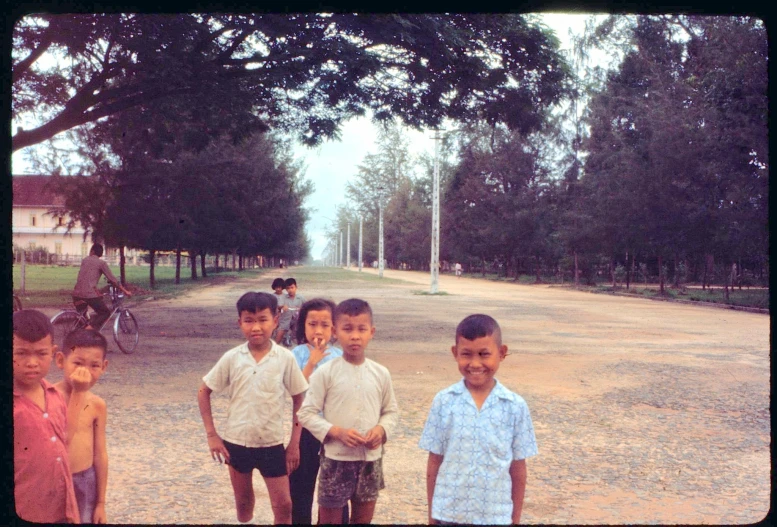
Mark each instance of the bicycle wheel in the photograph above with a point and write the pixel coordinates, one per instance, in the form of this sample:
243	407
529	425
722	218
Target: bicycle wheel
64	322
17	303
125	331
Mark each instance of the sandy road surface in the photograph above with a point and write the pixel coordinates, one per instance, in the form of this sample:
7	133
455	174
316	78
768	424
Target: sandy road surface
645	412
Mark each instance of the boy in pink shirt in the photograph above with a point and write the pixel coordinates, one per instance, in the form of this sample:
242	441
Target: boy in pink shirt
43	486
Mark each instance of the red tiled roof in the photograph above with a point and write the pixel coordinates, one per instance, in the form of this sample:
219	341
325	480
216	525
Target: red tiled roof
34	191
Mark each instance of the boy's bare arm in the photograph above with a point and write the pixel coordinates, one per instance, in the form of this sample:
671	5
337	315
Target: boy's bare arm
518	477
215	443
432	468
292	451
79	380
100	459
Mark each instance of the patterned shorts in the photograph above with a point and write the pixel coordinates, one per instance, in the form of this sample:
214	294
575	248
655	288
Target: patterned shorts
340	481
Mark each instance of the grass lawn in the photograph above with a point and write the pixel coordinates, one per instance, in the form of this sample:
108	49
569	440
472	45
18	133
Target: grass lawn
758	298
51	286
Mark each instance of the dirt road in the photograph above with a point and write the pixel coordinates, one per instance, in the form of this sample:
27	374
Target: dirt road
644	412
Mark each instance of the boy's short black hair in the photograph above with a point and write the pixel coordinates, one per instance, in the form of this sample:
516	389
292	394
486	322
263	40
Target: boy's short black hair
84	338
289	281
353	307
96	250
314	304
32	325
278	282
254	302
477	326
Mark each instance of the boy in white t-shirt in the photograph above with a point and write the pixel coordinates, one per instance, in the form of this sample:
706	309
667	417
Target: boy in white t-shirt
257	375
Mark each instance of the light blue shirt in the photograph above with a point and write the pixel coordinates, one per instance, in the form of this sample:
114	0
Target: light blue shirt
302	354
473	484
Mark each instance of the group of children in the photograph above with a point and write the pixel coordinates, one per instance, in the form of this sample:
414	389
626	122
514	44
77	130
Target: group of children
478	433
60	456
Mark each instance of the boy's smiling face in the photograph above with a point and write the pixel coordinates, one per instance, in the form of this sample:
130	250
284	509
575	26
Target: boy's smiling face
478	360
31	360
257	327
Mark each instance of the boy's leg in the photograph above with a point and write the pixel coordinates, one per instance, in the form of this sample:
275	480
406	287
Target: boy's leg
330	516
243	487
280	498
362	511
302	482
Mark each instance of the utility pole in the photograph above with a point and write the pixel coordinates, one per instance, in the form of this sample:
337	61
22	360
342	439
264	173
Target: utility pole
348	248
340	252
435	263
360	243
380	233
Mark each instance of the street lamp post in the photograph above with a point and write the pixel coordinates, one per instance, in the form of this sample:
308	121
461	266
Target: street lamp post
348	248
360	243
435	263
340	253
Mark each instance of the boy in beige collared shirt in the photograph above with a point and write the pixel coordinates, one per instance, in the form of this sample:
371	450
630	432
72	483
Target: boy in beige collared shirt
257	375
350	407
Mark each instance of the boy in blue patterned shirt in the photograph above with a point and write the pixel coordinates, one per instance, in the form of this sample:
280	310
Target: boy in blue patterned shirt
478	435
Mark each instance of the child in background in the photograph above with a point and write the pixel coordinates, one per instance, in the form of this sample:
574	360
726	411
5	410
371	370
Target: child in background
291	304
314	333
43	485
88	454
350	407
257	375
278	285
478	435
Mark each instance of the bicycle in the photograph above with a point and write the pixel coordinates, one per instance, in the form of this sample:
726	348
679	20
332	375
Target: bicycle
17	303
125	326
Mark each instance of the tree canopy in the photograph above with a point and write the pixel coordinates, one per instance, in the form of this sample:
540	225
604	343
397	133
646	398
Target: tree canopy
297	72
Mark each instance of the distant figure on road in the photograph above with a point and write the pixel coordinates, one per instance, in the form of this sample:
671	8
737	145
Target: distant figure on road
478	435
86	294
458	269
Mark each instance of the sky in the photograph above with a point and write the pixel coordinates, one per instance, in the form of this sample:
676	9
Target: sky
330	166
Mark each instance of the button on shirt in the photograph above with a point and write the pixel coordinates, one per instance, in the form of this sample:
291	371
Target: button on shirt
473	484
43	486
257	393
349	396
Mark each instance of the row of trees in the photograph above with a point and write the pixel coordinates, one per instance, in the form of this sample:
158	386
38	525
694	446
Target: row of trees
661	161
171	114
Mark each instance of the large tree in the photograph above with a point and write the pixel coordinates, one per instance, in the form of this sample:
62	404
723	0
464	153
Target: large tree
303	72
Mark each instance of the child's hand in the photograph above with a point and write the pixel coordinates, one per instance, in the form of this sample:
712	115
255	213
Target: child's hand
374	437
317	350
80	379
351	437
99	514
217	448
292	457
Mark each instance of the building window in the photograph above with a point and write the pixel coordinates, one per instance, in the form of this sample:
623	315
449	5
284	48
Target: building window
33	220
60	221
58	248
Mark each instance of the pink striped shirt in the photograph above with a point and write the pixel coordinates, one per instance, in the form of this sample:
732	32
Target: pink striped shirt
43	486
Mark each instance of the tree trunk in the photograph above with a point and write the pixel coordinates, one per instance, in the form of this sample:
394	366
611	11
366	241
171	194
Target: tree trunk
725	283
151	278
629	267
676	284
233	259
483	266
122	261
661	275
178	265
202	265
193	263
612	274
538	279
217	262
577	273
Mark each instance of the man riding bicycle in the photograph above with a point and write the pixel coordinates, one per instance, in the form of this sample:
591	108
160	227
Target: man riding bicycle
86	294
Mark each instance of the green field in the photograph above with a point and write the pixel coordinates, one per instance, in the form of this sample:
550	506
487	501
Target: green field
51	286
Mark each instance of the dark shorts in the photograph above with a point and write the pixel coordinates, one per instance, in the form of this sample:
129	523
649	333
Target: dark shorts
340	481
271	460
85	485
